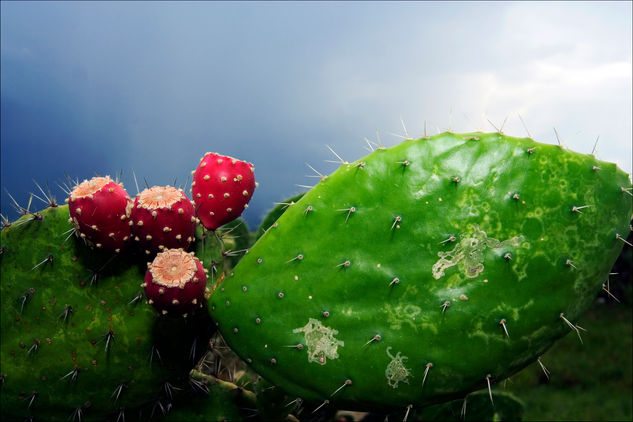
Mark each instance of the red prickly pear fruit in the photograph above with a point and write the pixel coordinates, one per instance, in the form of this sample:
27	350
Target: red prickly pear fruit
99	209
163	218
175	282
221	188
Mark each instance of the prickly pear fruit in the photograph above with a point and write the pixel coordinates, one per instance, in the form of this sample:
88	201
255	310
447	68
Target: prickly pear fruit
99	209
163	218
78	342
175	282
427	270
222	187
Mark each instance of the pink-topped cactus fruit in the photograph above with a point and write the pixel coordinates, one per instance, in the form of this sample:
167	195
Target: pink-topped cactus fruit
175	282
163	218
222	187
99	210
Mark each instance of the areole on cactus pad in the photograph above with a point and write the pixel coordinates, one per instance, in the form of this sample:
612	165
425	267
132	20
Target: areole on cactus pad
427	270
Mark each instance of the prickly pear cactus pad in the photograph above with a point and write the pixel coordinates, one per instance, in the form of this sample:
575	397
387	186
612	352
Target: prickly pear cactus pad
427	270
78	340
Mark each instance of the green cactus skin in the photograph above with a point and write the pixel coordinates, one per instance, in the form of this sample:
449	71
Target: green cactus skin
275	213
477	408
112	352
426	270
237	240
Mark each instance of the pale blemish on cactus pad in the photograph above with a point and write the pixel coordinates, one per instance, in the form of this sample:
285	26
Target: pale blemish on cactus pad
468	254
322	344
402	314
396	372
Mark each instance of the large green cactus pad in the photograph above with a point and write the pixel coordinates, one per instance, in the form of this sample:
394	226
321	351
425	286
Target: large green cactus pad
427	270
78	340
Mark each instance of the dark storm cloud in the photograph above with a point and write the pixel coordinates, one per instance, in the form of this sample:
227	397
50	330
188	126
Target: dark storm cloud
151	86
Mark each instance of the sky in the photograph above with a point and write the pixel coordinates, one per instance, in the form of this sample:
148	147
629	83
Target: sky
147	88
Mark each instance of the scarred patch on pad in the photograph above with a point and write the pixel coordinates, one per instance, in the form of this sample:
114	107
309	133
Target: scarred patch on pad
322	344
468	254
396	371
